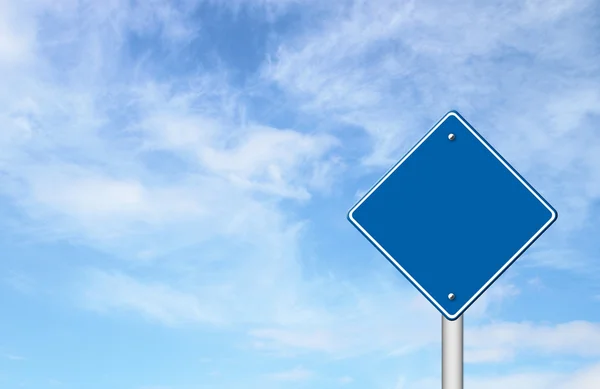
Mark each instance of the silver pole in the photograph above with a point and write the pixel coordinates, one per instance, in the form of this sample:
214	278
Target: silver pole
452	353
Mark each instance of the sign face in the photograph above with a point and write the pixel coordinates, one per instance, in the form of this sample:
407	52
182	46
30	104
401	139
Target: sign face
452	215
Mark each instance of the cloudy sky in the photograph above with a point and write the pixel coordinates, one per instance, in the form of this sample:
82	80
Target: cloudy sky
175	178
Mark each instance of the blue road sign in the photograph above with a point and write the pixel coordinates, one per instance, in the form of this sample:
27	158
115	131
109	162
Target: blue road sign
452	215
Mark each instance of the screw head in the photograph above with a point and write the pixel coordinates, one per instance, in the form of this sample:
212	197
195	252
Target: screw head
451	136
451	296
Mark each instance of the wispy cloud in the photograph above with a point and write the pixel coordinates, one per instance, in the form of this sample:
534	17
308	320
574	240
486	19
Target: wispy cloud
301	317
22	283
571	260
586	378
502	290
296	374
527	378
55	382
120	147
117	160
346	380
108	291
393	69
501	342
13	357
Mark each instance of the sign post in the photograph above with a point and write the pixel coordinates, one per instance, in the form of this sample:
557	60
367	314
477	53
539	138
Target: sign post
452	353
452	215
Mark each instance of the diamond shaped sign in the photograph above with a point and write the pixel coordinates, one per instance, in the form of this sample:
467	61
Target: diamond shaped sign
452	215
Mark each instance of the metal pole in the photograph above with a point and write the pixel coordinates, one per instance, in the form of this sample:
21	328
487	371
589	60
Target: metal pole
452	353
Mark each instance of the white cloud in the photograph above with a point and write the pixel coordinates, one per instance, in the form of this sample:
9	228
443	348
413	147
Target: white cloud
17	38
394	69
296	374
20	282
80	150
379	319
346	380
82	194
269	156
282	162
367	320
13	357
560	259
502	342
308	317
218	283
536	282
586	377
271	10
83	159
107	291
284	315
501	290
80	142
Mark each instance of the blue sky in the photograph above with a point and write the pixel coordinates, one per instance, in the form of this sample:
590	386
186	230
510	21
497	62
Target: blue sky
175	178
